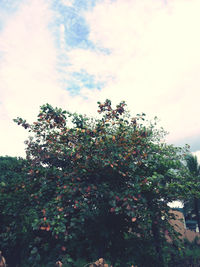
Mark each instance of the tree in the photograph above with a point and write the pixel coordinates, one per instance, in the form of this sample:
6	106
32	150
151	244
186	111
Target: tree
102	186
14	206
192	204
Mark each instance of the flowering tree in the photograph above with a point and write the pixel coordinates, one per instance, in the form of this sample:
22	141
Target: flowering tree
101	186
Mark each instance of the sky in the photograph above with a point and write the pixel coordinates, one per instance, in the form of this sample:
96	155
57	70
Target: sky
73	53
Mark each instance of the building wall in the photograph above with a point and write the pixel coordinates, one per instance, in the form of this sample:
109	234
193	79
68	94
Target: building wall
179	225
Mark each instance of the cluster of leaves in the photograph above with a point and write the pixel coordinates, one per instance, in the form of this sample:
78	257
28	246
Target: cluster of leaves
15	227
188	254
101	187
192	203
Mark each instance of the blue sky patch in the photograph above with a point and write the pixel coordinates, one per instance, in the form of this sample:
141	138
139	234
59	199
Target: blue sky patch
77	33
85	4
10	6
81	80
74	34
7	8
76	29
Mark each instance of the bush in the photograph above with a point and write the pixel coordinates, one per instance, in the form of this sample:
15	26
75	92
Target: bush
94	188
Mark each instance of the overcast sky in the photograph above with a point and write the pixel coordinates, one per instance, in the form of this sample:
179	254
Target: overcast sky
72	53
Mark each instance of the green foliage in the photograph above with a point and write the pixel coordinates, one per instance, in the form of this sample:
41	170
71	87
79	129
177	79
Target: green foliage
92	188
188	254
192	164
192	203
100	187
14	201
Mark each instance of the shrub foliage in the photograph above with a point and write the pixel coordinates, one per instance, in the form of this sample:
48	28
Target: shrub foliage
96	187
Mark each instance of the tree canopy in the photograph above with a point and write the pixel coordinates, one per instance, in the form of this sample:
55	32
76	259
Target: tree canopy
101	186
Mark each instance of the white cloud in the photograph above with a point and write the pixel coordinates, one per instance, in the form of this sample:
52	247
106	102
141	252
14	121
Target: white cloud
67	2
154	60
28	73
28	70
153	64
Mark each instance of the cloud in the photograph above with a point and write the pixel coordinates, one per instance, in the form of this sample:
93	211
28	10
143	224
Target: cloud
67	2
144	52
27	69
29	58
29	72
153	61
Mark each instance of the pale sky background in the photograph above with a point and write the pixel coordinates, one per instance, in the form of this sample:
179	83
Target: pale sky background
72	53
